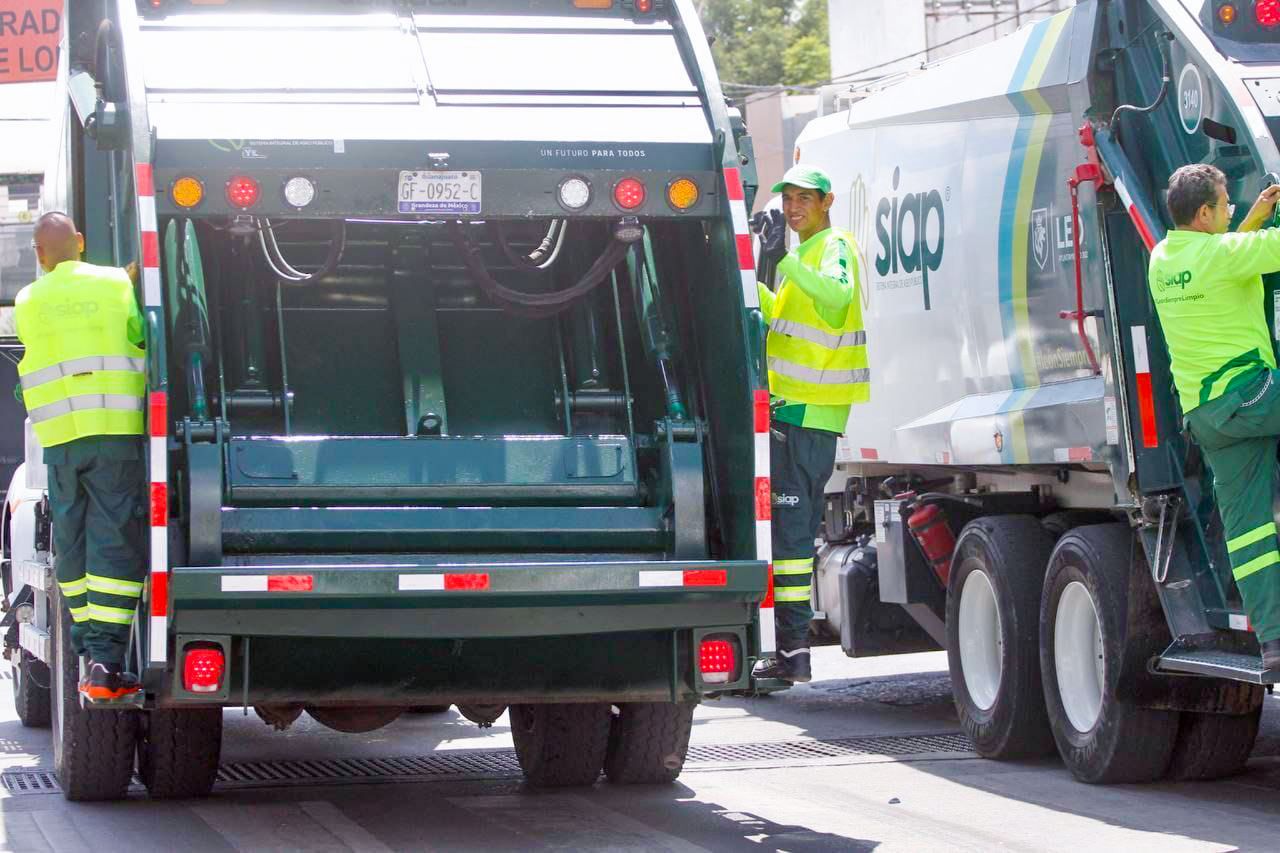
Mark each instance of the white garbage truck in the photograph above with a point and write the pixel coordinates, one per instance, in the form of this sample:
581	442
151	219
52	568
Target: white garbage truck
1020	490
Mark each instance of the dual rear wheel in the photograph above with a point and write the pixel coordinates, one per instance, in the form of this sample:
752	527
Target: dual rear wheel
569	744
1036	641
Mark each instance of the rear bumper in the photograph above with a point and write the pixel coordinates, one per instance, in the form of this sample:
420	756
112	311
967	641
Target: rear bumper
400	635
461	601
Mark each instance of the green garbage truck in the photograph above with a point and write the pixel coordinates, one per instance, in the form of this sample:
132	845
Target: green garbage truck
453	379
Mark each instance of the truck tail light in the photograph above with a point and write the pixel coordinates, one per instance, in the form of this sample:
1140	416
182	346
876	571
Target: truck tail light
628	193
202	669
682	194
243	191
186	191
1267	13
718	661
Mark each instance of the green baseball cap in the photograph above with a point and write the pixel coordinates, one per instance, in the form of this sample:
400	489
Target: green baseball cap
809	177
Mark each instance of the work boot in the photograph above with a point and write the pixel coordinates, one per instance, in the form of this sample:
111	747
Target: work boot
107	681
790	666
1271	655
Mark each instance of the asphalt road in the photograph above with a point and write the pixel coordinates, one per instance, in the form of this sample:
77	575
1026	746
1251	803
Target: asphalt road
862	759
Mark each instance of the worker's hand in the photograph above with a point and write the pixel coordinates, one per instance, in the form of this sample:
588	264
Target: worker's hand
132	270
1262	209
773	237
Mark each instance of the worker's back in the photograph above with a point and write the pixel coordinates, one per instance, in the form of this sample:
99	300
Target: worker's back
82	373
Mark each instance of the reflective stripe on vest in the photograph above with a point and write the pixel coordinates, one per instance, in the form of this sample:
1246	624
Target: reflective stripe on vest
817	336
809	360
87	364
84	403
819	377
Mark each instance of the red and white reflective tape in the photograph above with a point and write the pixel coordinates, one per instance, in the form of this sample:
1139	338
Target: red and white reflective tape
268	583
686	577
1142	377
444	581
157	421
1144	230
764	516
742	235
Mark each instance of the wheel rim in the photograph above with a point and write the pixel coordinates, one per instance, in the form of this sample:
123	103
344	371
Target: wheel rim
1077	656
981	646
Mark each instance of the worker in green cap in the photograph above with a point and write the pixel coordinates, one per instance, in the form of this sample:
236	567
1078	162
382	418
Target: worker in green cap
1206	282
816	349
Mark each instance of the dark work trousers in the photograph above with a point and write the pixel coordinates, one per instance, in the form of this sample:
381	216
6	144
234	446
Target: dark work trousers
1238	433
96	490
801	462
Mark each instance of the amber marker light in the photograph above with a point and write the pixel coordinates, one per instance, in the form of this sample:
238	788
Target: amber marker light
682	194
186	192
1227	13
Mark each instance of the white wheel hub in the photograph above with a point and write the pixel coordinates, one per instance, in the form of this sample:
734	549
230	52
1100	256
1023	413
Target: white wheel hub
1078	656
981	647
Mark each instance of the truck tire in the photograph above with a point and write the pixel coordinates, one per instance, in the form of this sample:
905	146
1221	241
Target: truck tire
993	609
31	691
178	752
1058	523
1213	746
92	750
1082	639
561	745
648	742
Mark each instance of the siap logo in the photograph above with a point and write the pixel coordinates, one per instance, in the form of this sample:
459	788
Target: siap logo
1179	280
903	229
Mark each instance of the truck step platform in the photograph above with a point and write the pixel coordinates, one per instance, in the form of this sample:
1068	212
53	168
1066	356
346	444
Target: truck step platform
1218	664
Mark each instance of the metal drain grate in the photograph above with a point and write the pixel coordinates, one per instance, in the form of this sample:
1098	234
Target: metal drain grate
501	763
791	750
486	764
29	782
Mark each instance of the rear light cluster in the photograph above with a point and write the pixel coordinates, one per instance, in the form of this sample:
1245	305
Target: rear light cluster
242	192
1266	13
718	661
629	193
202	669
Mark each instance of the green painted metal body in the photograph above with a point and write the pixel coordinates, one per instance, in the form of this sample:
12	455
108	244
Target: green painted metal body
390	417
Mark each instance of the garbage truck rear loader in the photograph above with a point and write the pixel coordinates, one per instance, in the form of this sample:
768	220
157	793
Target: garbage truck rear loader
1019	490
453	389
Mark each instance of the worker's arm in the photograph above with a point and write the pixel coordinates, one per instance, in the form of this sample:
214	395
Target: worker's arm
767	298
831	285
1261	210
137	326
1250	253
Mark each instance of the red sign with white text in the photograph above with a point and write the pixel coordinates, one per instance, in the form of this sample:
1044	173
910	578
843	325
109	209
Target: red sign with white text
29	32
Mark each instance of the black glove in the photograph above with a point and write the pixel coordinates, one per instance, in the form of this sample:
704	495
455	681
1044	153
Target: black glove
773	238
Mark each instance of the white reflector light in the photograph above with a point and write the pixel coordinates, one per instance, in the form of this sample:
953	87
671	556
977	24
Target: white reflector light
299	191
575	193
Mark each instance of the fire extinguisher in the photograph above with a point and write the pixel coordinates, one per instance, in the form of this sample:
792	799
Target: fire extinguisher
928	525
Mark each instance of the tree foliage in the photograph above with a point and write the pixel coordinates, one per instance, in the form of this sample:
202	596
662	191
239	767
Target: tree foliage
768	42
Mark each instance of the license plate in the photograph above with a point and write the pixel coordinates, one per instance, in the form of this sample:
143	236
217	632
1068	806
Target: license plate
439	192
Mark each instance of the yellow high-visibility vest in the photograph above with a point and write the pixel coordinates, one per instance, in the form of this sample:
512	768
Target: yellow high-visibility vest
811	361
82	373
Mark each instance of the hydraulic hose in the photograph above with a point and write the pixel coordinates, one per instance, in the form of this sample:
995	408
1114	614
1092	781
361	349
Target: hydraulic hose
283	270
540	258
1166	79
535	305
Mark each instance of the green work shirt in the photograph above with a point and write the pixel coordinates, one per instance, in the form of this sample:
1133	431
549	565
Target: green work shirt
831	289
1207	289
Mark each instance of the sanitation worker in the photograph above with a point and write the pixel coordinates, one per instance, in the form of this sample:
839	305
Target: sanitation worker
1207	287
82	380
816	350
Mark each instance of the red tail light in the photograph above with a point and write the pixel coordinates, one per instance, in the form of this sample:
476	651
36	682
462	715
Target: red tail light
628	193
718	661
202	670
1267	13
243	191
